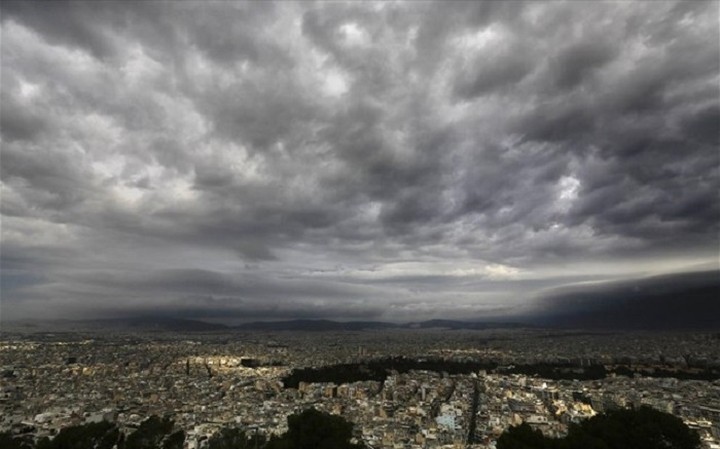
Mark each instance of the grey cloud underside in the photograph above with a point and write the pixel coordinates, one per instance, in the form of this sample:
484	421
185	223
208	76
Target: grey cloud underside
255	141
680	301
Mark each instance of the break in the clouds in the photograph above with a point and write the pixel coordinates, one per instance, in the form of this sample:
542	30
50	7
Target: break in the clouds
390	160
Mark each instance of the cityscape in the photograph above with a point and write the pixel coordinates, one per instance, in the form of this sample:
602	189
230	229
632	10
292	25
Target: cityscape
343	224
207	381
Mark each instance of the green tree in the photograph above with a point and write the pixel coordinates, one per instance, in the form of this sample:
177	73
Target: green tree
9	441
102	435
617	429
174	440
523	437
234	438
155	433
632	429
313	429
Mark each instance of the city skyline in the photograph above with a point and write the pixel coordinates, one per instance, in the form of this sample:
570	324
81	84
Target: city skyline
393	161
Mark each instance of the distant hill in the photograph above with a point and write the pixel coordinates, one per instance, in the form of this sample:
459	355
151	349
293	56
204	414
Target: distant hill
328	325
314	325
134	324
167	324
670	302
454	324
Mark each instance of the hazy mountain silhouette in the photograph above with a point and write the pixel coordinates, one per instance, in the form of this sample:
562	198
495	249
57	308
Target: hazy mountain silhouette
314	325
162	323
455	324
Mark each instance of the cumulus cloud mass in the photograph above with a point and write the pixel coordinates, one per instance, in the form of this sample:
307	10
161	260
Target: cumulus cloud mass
391	160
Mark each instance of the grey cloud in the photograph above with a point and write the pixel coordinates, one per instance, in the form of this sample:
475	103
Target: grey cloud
703	124
228	36
63	23
301	136
19	123
576	62
505	66
51	181
198	292
648	303
197	281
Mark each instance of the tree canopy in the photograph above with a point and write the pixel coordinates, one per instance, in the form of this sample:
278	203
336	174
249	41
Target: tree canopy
313	429
617	429
101	435
9	441
310	429
234	438
155	433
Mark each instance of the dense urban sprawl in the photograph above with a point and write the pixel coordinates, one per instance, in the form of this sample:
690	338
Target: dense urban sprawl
207	381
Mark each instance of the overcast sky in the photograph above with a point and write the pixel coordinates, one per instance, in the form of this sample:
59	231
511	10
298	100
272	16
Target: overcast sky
387	161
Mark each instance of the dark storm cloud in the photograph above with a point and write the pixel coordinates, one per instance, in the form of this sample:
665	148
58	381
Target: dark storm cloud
649	303
578	61
66	25
19	123
357	160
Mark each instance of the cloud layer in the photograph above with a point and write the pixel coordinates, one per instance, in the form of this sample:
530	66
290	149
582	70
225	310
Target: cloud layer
356	160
